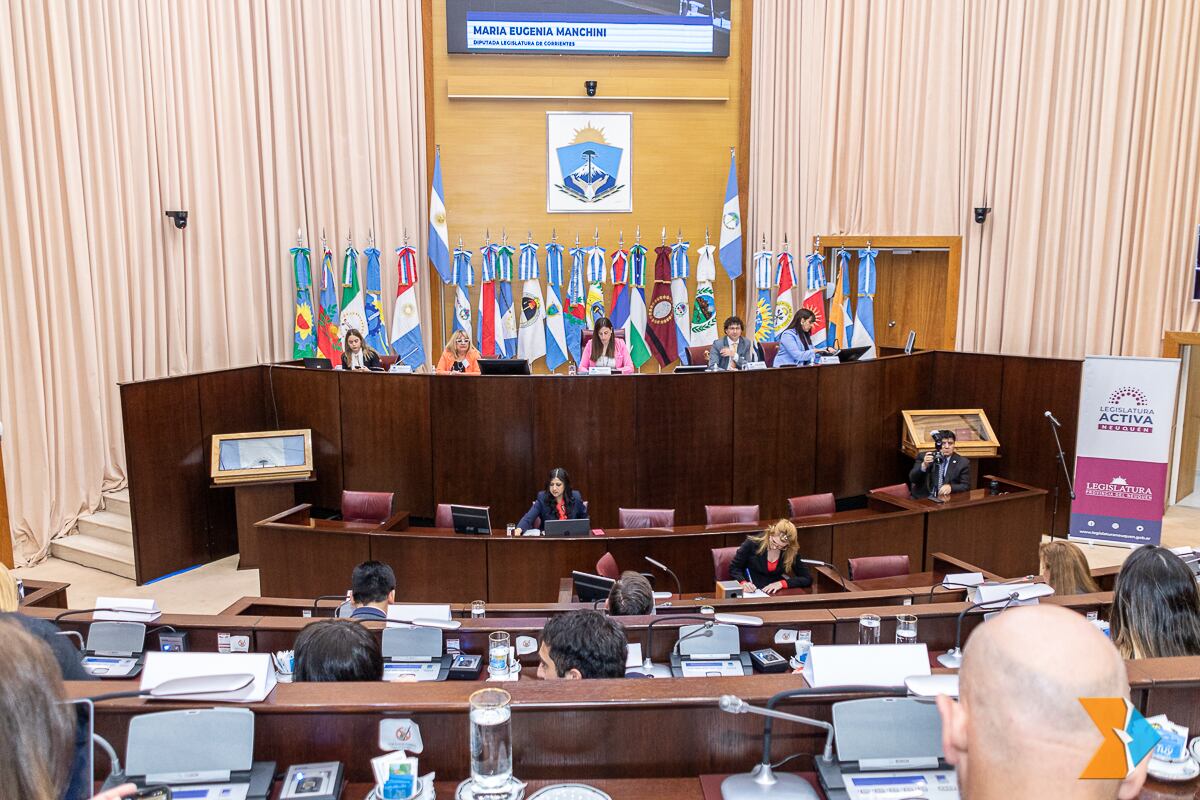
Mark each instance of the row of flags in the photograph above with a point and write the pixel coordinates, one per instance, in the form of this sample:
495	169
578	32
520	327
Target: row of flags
342	305
845	324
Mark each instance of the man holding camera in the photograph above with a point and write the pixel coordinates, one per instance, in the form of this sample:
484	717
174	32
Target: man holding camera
940	471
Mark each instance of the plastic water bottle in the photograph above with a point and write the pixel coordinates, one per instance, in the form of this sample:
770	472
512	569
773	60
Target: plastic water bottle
803	646
571	368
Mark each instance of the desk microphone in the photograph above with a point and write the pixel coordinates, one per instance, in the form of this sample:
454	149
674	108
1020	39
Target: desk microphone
652	670
73	611
945	585
666	569
1053	420
818	563
441	624
75	634
953	657
762	781
182	687
338	611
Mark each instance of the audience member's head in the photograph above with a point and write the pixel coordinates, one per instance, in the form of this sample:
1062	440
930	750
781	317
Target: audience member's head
37	737
1064	567
337	650
631	596
8	589
582	644
1018	728
373	584
1156	608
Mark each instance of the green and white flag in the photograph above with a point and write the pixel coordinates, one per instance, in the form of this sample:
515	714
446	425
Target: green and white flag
354	306
704	306
635	328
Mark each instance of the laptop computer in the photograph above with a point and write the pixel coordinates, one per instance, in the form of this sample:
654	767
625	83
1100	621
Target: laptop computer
471	519
317	363
567	527
851	354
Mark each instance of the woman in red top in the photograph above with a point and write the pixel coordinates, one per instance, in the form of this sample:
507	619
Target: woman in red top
764	561
558	501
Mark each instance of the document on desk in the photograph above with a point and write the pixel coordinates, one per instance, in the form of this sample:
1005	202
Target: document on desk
712	669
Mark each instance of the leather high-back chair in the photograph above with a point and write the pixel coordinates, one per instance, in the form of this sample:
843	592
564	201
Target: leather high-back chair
808	504
770	349
722	558
607	567
895	490
867	567
721	515
585	336
698	354
444	518
366	506
646	517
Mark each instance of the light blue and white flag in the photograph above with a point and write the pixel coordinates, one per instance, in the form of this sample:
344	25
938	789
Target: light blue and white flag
507	343
531	338
556	337
814	297
464	278
407	341
680	269
864	314
764	321
595	292
377	336
576	316
847	312
439	236
731	224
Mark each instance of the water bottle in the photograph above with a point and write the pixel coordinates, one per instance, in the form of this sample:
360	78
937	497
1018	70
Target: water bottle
571	368
803	646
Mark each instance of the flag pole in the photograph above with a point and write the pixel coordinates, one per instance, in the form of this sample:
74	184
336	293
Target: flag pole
732	281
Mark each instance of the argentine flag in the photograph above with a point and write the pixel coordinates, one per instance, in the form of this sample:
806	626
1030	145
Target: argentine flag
439	237
864	318
531	338
407	342
680	269
556	336
731	224
464	278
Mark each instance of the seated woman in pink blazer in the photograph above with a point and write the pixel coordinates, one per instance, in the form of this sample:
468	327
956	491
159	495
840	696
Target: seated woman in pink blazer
606	350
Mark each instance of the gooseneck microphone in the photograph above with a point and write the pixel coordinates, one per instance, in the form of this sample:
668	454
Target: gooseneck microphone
814	562
1052	419
953	657
317	602
650	669
666	569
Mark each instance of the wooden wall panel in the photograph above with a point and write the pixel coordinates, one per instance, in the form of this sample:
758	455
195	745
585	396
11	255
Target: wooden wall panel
774	437
967	380
231	401
907	382
483	429
386	445
301	398
576	423
494	149
849	429
683	437
167	466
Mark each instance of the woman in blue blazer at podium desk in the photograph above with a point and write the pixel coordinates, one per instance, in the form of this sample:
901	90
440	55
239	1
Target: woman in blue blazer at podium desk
558	501
795	343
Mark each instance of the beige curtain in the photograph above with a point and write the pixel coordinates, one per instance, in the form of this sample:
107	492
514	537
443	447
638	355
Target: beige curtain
1077	122
258	119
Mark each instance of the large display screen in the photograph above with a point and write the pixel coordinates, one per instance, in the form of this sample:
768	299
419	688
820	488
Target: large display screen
589	27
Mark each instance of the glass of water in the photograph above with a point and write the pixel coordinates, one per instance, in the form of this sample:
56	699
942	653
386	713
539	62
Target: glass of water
491	738
478	609
906	629
868	629
498	643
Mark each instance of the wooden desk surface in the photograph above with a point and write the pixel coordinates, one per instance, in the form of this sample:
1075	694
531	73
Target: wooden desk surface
617	788
914	580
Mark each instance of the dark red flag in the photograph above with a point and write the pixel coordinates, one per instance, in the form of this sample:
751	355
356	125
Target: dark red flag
660	328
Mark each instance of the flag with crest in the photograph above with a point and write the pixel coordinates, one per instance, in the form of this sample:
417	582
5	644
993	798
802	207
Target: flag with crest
660	332
304	338
785	292
704	306
764	320
354	307
464	279
376	332
635	327
531	337
506	345
680	269
407	341
576	313
556	336
814	296
731	224
619	311
595	277
328	340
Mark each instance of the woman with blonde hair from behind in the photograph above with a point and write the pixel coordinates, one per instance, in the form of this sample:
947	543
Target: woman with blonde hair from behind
9	601
764	561
1065	569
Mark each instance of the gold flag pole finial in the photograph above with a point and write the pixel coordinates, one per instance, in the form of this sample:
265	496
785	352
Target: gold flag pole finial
299	237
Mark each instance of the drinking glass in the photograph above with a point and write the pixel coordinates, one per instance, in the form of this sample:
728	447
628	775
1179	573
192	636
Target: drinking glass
868	629
491	738
478	609
498	643
906	629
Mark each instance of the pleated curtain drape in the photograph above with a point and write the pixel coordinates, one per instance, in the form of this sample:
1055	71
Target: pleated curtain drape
257	118
1077	122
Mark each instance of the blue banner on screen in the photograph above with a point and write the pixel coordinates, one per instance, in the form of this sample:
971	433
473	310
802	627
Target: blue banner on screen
593	27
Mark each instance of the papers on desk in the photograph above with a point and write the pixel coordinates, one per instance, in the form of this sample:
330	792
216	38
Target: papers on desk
958	579
717	668
754	592
162	667
407	612
633	655
865	664
127	609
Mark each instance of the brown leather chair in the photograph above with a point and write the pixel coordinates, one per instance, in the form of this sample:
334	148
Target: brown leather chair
721	515
444	519
722	558
386	362
607	567
367	506
698	354
585	336
770	349
807	505
895	490
646	517
862	569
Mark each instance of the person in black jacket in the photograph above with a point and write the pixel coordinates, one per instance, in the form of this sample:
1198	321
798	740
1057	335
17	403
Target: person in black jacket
768	561
940	471
359	355
558	501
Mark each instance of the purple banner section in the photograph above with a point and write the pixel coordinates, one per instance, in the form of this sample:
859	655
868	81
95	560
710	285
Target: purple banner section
1118	500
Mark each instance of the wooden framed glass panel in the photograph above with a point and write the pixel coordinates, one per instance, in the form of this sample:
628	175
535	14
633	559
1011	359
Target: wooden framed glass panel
973	434
262	455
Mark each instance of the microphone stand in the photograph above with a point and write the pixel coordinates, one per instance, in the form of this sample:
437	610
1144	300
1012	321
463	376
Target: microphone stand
953	658
666	569
317	601
816	562
652	670
1062	462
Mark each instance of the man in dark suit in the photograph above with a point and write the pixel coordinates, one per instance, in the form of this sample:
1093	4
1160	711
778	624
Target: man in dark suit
940	472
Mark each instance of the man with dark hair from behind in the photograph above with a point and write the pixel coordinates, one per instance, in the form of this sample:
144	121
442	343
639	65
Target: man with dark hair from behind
582	644
631	596
337	650
1018	729
372	588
